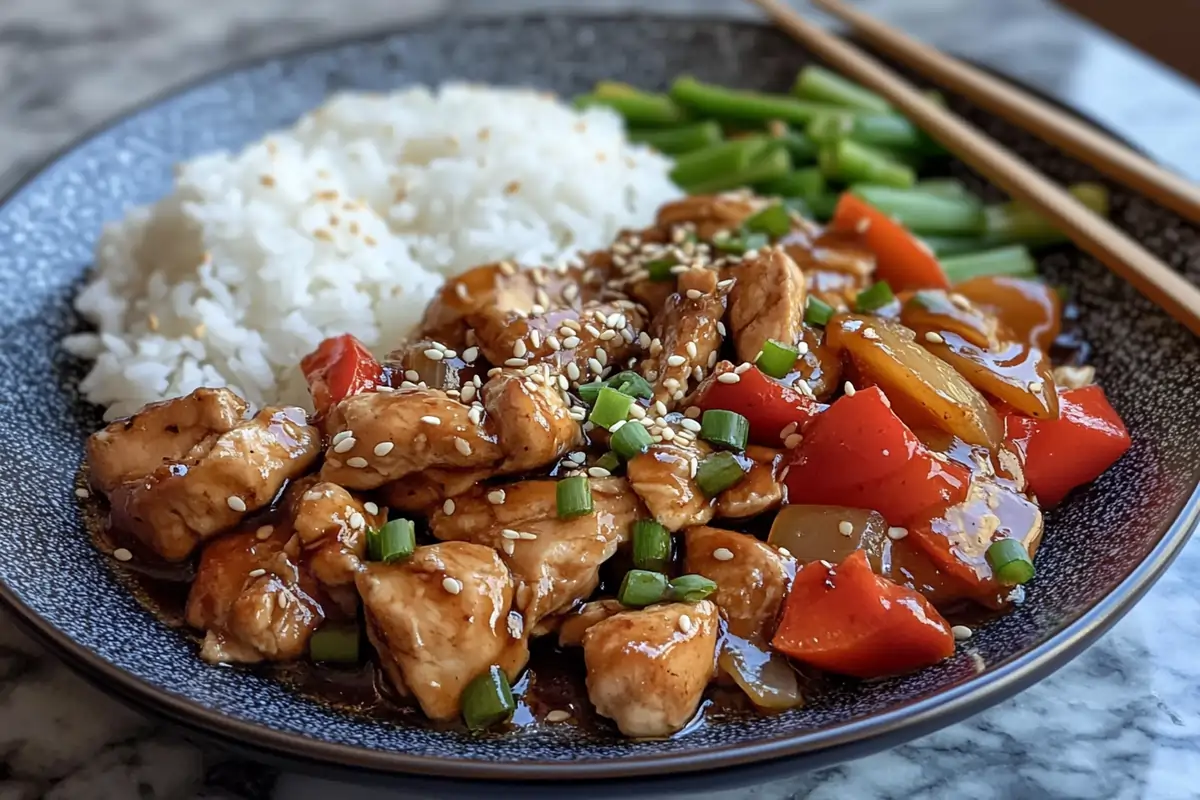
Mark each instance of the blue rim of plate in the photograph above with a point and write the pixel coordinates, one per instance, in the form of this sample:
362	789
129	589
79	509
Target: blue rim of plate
851	739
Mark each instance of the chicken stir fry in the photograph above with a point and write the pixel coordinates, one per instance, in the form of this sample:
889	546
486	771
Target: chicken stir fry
734	449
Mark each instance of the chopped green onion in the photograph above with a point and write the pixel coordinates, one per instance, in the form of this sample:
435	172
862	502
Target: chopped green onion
651	545
1010	562
632	384
574	497
718	472
588	392
631	440
741	243
817	311
335	643
660	268
642	587
773	220
726	429
374	545
691	588
609	460
487	700
397	541
874	297
777	358
610	408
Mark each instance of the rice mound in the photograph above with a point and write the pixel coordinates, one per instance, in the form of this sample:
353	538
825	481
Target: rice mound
347	222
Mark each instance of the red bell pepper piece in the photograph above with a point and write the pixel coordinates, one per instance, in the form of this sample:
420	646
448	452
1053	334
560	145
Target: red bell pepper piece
339	367
848	620
900	258
767	404
859	454
1060	454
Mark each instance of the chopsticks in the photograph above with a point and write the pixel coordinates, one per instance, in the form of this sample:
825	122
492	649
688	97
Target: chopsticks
1037	116
1165	287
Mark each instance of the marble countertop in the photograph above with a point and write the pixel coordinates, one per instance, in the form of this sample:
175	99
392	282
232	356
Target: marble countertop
1122	721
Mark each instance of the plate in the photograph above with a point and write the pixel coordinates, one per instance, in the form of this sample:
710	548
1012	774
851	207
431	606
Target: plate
1103	548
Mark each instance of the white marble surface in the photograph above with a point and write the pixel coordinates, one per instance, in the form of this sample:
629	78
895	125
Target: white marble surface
1122	721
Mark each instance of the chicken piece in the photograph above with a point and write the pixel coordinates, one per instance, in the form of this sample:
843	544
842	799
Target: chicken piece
760	491
709	215
395	434
607	334
665	478
132	448
573	626
687	336
820	366
425	491
767	302
331	526
532	420
647	669
440	619
252	600
555	563
750	585
219	481
448	370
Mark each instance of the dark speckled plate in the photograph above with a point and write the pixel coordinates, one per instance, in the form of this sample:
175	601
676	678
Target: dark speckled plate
1103	548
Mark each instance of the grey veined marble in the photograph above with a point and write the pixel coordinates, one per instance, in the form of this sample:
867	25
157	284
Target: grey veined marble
1122	721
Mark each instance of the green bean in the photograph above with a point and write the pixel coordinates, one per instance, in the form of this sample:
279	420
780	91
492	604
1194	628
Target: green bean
773	164
683	139
638	108
877	130
954	245
1017	222
712	162
948	187
733	104
1014	261
922	212
818	83
851	162
802	183
821	206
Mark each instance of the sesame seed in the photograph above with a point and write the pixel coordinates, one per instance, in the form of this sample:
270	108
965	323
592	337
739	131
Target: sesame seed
434	354
496	497
721	328
357	521
527	536
452	585
553	343
264	532
691	349
608	336
616	426
383	448
598	472
802	348
573	371
518	349
935	338
723	554
896	534
356	462
508	548
602	356
685	623
345	445
869	333
516	362
694	294
793	441
595	366
462	446
1036	386
846	527
961	633
742	367
342	436
257	573
460	289
535	338
571	342
82	494
676	361
849	389
668	434
448	507
690	424
558	715
862	225
371	508
236	503
509	533
729	377
475	414
121	554
636	411
431	420
592	330
466	393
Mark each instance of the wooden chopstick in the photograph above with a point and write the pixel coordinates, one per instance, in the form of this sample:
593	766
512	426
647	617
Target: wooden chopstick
1165	287
1037	116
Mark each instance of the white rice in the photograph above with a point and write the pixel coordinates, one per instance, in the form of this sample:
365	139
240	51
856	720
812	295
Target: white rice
347	223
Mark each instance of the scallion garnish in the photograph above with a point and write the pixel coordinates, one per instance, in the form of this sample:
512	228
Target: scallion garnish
718	472
609	460
874	297
610	407
630	440
741	243
690	588
773	220
632	384
1010	562
817	311
589	391
651	545
777	358
660	268
397	541
574	497
725	429
487	700
374	545
642	587
335	643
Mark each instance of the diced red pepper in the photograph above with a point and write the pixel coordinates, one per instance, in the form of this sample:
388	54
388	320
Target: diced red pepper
900	258
339	367
848	620
1060	454
767	404
859	454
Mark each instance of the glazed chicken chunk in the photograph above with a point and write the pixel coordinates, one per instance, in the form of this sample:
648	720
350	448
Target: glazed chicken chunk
440	619
573	626
709	215
752	577
252	600
664	477
331	528
647	669
766	302
134	447
760	491
219	481
532	421
687	336
554	562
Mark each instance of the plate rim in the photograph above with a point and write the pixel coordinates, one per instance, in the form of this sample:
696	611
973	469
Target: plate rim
854	738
